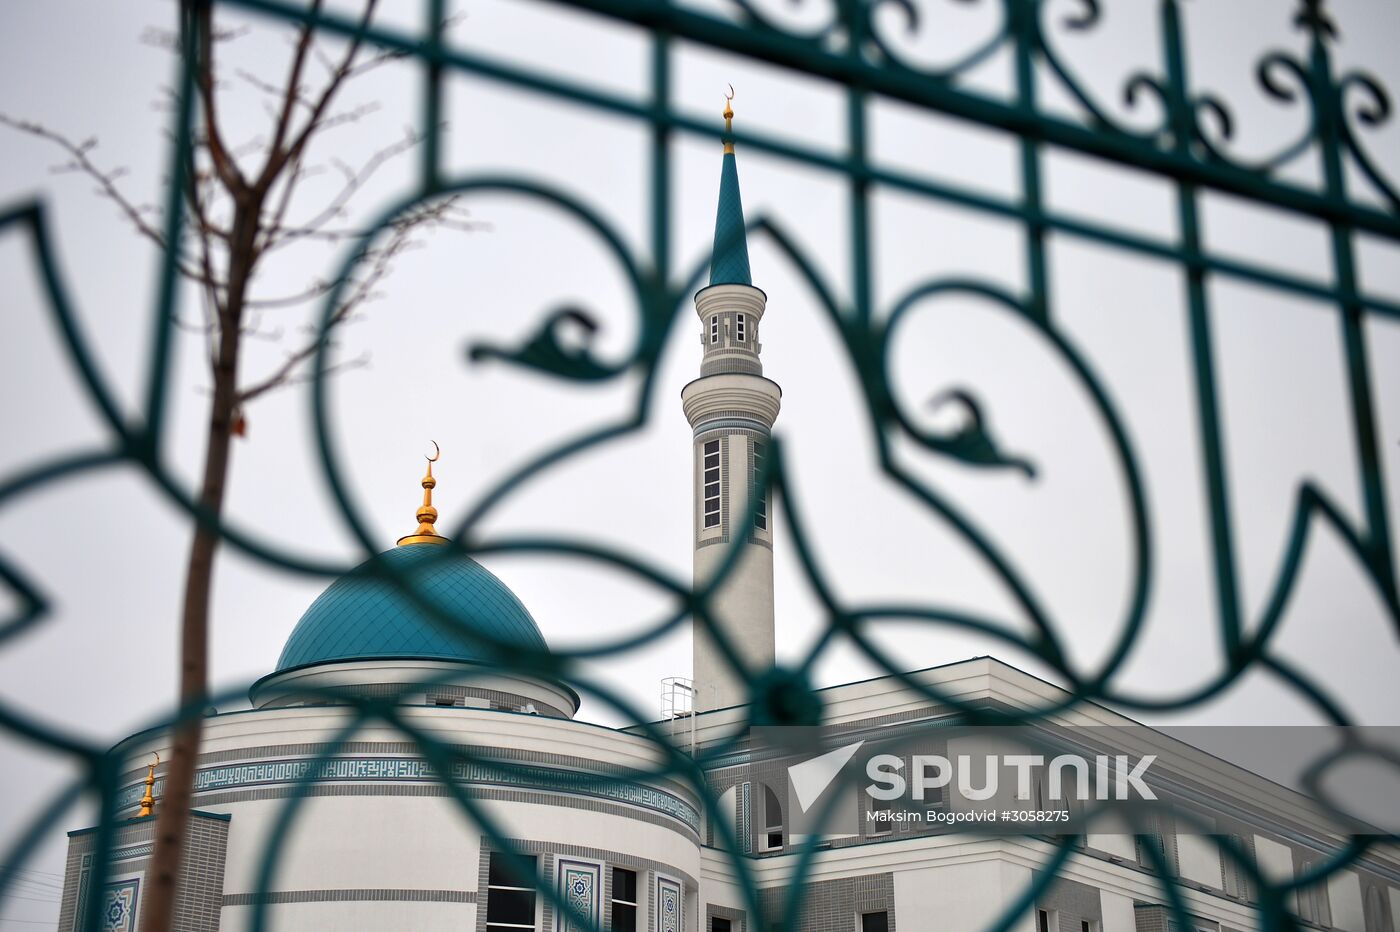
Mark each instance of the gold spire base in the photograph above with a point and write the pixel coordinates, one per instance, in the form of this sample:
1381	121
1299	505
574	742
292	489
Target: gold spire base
422	539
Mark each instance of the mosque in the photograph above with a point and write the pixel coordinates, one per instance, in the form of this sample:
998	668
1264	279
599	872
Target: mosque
380	839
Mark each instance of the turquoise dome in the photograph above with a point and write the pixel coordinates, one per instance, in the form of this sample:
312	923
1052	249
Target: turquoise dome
364	617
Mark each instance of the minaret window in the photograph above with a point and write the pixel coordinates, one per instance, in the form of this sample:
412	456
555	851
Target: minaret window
760	515
712	483
714	328
739	328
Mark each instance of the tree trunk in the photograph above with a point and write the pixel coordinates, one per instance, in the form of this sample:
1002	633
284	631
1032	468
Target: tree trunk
173	809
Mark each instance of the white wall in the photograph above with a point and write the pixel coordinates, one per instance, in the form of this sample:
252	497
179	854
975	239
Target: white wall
356	917
959	897
1344	891
1118	914
356	842
1198	859
1275	860
419	842
1125	846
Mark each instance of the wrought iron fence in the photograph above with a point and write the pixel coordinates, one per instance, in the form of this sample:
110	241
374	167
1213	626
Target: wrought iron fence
1188	148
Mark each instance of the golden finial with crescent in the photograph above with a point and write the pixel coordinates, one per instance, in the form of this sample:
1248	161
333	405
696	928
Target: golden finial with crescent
729	119
427	514
148	802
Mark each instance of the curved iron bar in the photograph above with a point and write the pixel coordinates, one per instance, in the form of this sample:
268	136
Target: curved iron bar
1086	20
1376	114
753	17
1049	648
1268	73
962	64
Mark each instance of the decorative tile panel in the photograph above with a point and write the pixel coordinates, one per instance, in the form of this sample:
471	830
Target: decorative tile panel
668	904
579	885
742	805
119	903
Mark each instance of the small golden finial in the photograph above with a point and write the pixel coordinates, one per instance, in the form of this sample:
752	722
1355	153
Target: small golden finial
148	802
427	514
729	120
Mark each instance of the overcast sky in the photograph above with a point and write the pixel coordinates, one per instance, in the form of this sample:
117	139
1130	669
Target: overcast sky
109	550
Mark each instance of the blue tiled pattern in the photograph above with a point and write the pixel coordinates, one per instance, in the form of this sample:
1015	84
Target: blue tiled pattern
729	262
119	907
742	803
361	616
412	769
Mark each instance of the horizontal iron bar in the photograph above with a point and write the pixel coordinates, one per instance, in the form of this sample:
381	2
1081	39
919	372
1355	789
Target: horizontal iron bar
495	69
807	57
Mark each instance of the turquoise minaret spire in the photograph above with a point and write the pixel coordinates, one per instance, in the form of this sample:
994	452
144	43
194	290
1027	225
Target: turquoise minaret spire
731	408
729	263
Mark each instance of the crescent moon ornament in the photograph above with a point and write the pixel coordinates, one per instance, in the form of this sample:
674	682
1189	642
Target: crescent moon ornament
437	452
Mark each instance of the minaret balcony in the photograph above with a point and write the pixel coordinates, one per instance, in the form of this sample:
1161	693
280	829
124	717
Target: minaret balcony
732	395
717	299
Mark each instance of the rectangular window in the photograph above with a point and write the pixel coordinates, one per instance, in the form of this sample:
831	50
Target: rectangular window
1042	921
1236	880
1088	925
1144	845
739	328
760	515
624	900
875	922
720	925
714	328
1312	901
711	477
510	896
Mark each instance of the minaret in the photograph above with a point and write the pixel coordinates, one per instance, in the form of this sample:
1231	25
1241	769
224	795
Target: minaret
731	409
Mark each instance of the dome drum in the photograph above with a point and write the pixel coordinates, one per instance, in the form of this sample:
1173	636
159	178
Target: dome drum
436	683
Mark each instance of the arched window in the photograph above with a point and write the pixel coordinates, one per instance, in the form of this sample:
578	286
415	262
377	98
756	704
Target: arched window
1312	900
771	820
1377	915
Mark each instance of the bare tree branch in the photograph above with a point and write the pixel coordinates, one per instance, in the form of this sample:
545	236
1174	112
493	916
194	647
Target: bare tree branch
292	96
106	180
278	157
224	164
354	180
